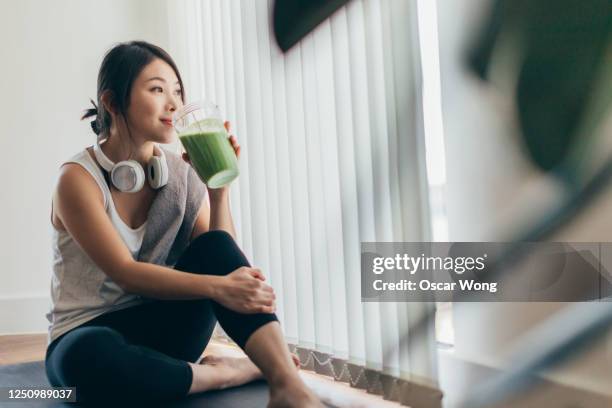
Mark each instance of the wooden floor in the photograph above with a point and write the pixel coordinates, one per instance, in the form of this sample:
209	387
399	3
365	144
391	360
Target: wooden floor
22	348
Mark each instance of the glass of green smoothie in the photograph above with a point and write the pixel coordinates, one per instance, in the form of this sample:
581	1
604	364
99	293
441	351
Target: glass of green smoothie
200	129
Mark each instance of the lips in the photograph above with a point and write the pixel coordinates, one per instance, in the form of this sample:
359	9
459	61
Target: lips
167	122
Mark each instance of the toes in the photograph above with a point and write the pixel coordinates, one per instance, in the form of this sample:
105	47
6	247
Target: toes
296	360
210	359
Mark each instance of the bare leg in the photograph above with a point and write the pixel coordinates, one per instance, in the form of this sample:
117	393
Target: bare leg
215	372
268	350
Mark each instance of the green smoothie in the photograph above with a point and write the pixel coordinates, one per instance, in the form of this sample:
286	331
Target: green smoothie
211	153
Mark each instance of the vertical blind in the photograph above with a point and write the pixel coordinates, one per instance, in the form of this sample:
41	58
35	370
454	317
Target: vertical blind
332	156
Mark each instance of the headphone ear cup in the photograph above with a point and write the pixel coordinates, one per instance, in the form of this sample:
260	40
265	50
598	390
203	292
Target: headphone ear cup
157	169
128	176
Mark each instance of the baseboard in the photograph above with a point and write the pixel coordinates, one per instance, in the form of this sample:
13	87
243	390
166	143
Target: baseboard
25	313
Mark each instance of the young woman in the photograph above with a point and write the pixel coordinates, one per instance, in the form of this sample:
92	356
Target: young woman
144	269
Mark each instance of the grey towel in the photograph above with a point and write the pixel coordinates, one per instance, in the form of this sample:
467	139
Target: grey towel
172	214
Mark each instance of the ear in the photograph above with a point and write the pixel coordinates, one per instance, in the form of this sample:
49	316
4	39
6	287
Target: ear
108	102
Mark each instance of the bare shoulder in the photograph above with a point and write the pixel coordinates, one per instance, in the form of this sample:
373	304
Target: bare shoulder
75	180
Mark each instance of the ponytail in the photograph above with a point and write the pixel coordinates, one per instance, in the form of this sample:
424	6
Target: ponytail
92	112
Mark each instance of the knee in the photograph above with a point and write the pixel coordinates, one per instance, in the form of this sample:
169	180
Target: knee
80	350
213	238
87	359
213	252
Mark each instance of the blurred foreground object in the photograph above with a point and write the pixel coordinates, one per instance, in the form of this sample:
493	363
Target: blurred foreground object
294	19
560	53
555	60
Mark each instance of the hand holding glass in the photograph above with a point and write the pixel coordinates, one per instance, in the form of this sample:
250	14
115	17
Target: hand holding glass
204	137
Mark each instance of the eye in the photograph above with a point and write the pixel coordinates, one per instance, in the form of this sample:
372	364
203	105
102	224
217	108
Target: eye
157	88
179	92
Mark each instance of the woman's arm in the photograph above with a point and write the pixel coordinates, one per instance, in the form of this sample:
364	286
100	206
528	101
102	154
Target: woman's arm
202	222
160	282
242	291
220	215
220	218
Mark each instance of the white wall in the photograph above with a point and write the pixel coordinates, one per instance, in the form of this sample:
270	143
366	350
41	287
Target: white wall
51	52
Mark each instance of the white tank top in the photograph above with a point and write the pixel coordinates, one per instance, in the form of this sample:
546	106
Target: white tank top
80	290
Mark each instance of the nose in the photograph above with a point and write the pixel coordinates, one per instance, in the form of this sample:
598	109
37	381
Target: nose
171	106
173	103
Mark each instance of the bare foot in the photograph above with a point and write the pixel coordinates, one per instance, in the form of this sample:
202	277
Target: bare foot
237	370
293	394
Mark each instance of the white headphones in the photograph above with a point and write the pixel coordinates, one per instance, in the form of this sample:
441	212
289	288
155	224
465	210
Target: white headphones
128	176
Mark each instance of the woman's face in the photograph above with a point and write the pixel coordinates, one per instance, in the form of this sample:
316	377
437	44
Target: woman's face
155	96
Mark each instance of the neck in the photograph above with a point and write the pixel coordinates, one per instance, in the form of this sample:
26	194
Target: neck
118	148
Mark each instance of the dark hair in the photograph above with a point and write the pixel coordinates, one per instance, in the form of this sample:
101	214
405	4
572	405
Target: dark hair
120	67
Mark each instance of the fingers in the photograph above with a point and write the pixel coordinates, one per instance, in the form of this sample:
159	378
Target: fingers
235	145
232	138
261	296
266	295
267	303
264	307
269	299
257	274
267	309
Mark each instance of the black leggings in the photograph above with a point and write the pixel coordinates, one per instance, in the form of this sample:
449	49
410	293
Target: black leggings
140	353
